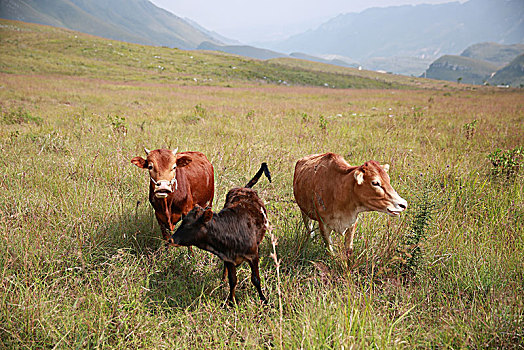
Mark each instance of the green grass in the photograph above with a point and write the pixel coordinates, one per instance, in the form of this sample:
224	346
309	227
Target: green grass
82	264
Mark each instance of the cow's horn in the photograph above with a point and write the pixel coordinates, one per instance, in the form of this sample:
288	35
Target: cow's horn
174	151
147	151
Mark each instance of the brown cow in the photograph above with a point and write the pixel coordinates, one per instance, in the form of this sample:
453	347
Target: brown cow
178	181
327	189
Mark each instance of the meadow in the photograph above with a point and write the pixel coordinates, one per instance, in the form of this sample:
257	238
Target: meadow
82	262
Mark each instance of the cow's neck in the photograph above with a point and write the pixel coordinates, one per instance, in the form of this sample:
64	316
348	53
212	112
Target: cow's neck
208	241
349	205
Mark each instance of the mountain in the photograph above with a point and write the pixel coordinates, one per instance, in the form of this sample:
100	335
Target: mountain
425	31
136	21
512	74
495	53
464	69
218	37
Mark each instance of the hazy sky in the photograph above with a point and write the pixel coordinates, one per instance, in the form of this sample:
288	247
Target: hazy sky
257	21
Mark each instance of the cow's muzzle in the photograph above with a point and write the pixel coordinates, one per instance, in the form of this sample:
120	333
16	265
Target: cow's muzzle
164	187
397	207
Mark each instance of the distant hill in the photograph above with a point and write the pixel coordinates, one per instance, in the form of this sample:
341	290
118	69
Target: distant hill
481	63
334	61
463	69
512	74
423	31
136	21
241	50
265	54
401	65
495	53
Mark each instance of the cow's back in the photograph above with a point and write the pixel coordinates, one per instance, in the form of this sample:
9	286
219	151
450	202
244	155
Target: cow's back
315	182
201	178
247	204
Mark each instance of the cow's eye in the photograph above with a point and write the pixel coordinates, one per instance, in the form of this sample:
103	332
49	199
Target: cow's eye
375	183
150	167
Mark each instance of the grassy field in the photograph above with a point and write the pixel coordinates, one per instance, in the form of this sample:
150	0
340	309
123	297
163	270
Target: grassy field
82	263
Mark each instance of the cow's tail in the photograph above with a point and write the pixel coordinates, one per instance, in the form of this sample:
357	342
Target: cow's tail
263	169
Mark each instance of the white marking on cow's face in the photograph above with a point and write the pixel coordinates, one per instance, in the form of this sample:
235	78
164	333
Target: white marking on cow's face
359	176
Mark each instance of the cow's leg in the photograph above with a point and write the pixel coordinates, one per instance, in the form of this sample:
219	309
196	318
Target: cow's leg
162	222
326	235
177	217
232	277
255	277
350	235
348	239
308	223
165	232
224	272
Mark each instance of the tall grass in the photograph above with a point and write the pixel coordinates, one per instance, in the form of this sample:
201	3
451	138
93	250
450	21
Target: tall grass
82	263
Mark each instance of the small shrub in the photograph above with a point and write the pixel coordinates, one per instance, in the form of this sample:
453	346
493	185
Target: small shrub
305	118
20	116
118	124
470	129
200	111
411	250
322	123
51	142
190	119
250	115
418	114
506	163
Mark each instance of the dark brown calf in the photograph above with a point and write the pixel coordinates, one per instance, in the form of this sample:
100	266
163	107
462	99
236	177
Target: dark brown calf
233	234
178	182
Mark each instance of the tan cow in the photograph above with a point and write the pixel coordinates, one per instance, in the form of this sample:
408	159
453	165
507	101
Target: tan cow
177	182
327	189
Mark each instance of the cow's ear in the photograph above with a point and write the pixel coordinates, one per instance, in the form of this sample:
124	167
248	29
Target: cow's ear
208	215
183	161
359	176
385	167
139	162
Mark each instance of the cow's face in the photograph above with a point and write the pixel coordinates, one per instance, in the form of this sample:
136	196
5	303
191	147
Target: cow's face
374	190
162	165
193	229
